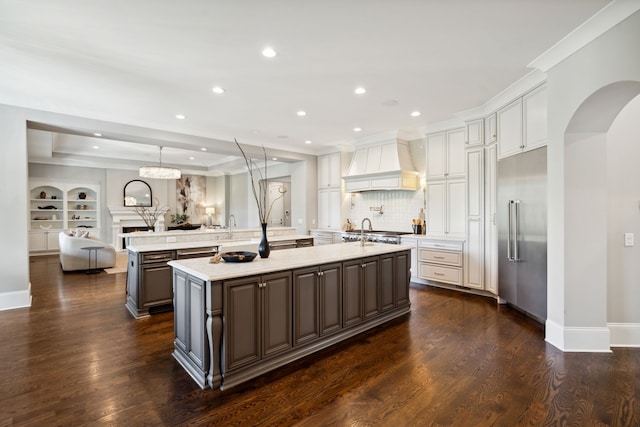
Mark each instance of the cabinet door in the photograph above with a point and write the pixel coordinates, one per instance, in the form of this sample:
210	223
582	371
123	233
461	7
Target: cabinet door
352	293
534	110
329	209
386	282
455	154
330	298
371	294
37	241
474	132
510	129
436	155
335	209
306	304
323	209
402	278
490	129
329	171
276	316
190	319
157	286
242	326
181	312
436	206
491	229
474	260
455	221
414	255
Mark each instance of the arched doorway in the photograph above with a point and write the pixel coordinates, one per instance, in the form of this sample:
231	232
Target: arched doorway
587	192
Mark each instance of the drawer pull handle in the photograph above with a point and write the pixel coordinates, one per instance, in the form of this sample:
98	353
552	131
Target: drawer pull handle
438	257
438	274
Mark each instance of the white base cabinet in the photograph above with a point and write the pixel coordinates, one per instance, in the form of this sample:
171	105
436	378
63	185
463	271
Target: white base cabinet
441	261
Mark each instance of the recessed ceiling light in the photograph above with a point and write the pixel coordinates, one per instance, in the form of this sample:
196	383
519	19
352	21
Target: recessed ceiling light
301	113
360	90
357	129
203	149
97	134
217	89
180	116
96	147
191	158
307	142
275	158
415	113
268	52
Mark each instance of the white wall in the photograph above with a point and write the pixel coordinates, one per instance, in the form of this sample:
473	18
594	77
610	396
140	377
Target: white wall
623	275
399	208
14	262
577	307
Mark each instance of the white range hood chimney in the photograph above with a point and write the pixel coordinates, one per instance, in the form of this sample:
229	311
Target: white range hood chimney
381	165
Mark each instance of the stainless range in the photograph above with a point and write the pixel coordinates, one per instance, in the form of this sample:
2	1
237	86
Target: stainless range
377	236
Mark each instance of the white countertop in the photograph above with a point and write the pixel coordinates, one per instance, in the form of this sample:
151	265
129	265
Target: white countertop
219	243
285	259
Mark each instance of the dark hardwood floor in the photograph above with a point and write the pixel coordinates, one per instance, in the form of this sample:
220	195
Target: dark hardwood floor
77	357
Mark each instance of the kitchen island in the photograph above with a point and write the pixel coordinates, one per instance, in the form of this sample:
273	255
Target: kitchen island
235	321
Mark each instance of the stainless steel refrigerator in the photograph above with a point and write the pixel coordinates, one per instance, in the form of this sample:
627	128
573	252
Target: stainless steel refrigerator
522	231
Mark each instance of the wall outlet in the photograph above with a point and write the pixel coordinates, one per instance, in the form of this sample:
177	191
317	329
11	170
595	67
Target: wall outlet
628	239
171	239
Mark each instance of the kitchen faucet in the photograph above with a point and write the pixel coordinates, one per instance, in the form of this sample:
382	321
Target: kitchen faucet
234	223
362	230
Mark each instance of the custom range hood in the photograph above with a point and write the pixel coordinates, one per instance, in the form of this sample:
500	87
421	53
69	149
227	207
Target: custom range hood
381	165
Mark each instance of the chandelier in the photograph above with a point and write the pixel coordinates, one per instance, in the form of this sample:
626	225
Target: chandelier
159	172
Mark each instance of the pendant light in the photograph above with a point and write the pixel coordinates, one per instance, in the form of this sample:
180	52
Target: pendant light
159	172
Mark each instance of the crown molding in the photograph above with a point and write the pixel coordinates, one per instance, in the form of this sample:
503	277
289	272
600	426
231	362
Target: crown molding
607	18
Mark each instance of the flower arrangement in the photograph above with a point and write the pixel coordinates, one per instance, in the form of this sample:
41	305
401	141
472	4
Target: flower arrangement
259	185
150	215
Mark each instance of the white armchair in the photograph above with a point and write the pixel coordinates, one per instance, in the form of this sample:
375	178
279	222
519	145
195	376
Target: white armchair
73	257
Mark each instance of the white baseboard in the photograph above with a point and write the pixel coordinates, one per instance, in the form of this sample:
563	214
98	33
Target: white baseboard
16	299
625	334
578	339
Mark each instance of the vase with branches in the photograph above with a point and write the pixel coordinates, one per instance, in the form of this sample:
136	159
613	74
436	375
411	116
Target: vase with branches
259	189
151	214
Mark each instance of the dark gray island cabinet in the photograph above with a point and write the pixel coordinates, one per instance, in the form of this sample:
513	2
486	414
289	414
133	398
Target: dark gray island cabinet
234	322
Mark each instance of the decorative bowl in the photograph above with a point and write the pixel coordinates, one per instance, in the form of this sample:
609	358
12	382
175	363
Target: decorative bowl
240	256
83	207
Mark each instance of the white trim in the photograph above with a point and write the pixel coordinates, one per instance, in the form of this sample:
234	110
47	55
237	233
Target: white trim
607	18
577	339
625	334
16	299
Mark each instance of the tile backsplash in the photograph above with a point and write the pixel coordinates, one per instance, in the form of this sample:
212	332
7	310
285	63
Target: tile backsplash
398	209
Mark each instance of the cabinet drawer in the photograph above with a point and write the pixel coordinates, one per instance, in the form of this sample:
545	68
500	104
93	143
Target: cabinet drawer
150	257
441	257
441	245
440	273
196	252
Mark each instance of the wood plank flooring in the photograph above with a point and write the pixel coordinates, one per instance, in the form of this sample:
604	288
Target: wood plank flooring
76	357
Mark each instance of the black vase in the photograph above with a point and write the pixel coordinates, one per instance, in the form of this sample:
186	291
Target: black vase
263	248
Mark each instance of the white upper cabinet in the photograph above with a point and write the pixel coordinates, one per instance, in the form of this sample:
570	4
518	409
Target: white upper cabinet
534	110
329	171
445	154
490	129
522	124
474	132
510	129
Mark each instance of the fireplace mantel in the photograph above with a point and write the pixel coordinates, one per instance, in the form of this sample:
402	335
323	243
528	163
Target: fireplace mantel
123	216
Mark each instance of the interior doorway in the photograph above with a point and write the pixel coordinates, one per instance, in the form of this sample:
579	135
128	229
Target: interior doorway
279	202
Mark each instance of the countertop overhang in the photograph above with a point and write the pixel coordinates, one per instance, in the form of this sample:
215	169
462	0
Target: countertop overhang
284	259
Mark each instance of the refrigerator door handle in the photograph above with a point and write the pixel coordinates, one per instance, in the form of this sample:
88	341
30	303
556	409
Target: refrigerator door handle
516	248
509	204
